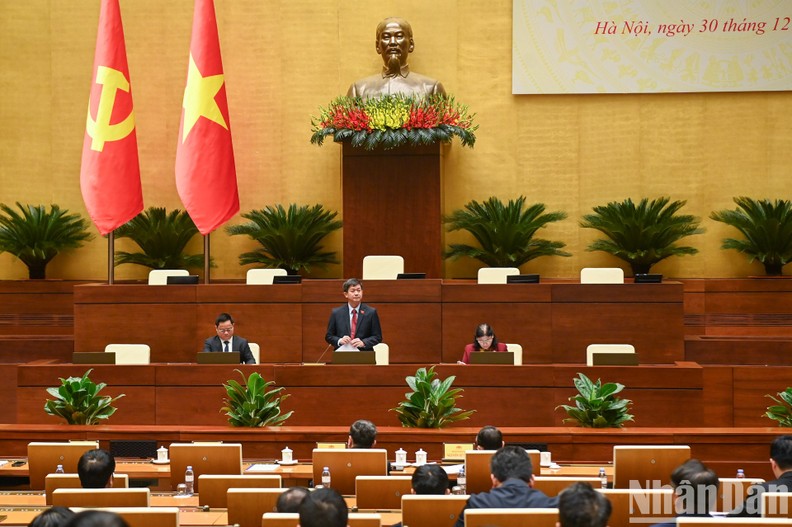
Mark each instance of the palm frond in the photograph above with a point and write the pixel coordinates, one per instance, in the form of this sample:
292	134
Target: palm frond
642	234
290	238
767	229
36	235
505	232
162	237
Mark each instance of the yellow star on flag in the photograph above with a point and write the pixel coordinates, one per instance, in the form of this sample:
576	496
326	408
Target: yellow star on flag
199	98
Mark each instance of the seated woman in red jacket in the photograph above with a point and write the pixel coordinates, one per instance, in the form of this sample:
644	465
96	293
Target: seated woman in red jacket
484	340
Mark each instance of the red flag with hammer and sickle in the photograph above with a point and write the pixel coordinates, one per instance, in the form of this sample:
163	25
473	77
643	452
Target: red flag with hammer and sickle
205	170
110	173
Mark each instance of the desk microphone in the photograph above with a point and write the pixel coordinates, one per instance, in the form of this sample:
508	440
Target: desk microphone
320	356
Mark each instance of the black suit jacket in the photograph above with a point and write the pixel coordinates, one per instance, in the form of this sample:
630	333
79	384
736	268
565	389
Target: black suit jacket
751	507
237	344
368	326
513	493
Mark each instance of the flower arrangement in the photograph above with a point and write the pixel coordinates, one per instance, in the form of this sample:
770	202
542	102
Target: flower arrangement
394	120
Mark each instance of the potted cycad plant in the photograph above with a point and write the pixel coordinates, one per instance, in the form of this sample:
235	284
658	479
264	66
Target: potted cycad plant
505	232
36	235
642	234
781	411
432	402
162	237
596	404
251	404
77	400
290	239
767	228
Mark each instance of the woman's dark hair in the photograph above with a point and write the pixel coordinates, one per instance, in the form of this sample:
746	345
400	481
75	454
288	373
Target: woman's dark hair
484	330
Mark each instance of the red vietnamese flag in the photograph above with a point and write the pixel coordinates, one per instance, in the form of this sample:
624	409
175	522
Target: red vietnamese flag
110	172
205	172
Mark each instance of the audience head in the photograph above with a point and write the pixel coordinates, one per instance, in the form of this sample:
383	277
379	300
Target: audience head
489	438
52	517
93	518
430	479
781	454
511	462
323	508
96	468
362	434
579	505
484	338
695	486
291	499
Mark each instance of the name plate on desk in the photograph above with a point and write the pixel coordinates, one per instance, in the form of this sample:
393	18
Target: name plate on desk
354	357
93	357
217	357
456	451
492	357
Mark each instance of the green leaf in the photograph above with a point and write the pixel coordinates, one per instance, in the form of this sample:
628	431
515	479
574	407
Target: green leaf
431	403
77	400
596	404
250	404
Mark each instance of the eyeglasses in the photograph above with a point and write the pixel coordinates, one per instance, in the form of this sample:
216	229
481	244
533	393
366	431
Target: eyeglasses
225	330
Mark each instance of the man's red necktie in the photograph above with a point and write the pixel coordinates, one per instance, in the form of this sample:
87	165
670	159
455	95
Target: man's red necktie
354	323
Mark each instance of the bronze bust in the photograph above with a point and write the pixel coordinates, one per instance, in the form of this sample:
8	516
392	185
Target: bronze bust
394	43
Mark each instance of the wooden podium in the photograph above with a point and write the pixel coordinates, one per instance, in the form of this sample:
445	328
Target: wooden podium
392	205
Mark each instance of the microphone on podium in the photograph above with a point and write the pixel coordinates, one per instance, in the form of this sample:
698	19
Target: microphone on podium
318	361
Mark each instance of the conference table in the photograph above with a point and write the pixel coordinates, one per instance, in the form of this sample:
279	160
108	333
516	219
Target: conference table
291	475
19	507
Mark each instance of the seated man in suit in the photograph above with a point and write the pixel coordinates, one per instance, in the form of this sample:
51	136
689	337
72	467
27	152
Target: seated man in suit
489	438
512	485
581	506
696	490
95	469
225	340
354	323
323	508
781	464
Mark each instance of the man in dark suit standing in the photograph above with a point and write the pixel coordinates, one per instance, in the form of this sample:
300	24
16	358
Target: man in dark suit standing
354	323
225	340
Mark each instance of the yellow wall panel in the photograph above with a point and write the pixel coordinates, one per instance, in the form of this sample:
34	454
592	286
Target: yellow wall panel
284	59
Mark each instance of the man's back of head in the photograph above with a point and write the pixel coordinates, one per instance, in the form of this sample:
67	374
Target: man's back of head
95	469
695	486
511	462
579	505
489	438
781	452
291	499
362	434
430	479
324	508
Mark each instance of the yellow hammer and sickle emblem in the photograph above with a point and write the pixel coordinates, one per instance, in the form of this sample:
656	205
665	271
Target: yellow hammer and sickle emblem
101	130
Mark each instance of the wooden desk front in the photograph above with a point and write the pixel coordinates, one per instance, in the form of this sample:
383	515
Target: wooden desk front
190	394
423	321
